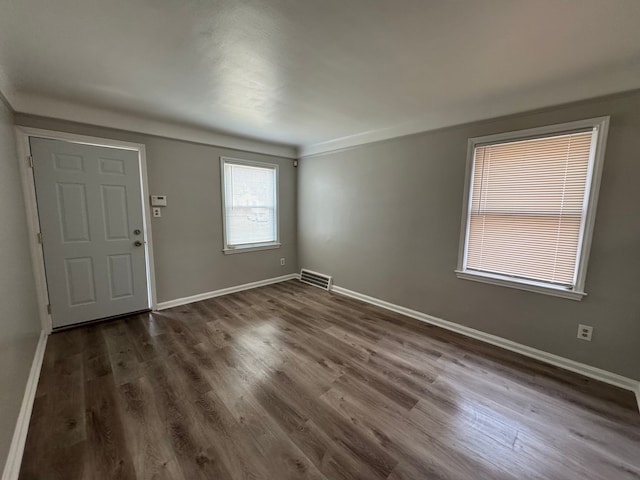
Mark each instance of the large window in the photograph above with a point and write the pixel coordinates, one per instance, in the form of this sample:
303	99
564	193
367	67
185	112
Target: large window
250	205
530	206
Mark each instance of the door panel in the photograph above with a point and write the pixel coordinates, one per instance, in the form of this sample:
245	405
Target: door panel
116	217
111	166
70	163
90	205
121	276
80	279
72	212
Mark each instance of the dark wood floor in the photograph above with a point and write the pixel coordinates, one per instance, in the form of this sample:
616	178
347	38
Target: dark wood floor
291	382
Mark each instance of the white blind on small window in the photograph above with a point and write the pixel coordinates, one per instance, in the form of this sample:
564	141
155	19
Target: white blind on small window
527	204
250	204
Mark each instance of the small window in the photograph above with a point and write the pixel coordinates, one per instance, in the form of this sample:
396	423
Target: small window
250	205
530	201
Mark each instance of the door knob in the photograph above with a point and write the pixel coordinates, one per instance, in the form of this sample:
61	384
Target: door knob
137	243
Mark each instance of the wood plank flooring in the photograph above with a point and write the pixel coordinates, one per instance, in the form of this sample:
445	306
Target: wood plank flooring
291	382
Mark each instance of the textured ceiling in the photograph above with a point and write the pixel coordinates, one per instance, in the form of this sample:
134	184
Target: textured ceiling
317	74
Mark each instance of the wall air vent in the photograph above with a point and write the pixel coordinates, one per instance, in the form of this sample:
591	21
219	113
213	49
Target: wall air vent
316	279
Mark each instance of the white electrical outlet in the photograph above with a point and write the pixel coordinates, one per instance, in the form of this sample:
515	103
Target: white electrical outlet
282	261
157	212
585	332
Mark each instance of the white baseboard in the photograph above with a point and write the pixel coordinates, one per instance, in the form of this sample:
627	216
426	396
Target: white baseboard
16	450
556	360
224	291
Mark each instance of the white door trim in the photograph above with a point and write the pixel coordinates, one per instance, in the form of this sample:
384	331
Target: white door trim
28	187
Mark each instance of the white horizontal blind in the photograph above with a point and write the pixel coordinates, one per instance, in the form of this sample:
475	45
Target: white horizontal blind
250	204
527	207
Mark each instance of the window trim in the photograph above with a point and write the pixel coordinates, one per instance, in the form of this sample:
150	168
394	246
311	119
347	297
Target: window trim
601	126
248	247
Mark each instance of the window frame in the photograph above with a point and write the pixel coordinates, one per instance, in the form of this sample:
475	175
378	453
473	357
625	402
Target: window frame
596	161
249	247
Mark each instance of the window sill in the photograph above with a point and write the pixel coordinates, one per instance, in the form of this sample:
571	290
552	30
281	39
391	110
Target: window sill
520	284
251	248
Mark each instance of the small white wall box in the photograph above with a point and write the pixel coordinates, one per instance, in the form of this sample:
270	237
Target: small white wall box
158	200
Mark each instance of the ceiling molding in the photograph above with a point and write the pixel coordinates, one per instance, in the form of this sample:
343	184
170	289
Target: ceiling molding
6	89
62	110
5	102
323	75
543	97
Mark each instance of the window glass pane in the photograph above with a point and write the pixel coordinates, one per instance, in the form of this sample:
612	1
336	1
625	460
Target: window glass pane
250	202
527	207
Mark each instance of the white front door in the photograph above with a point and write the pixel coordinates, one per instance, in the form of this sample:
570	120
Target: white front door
91	220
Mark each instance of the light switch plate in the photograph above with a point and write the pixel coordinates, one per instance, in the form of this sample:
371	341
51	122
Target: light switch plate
157	212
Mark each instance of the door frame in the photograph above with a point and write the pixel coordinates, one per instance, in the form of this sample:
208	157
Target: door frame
23	134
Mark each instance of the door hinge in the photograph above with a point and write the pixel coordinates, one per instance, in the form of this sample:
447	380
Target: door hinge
49	309
40	238
30	161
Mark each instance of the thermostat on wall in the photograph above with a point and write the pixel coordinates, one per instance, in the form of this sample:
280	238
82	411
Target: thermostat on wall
158	200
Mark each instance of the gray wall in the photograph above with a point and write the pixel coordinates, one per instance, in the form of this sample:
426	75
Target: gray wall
384	220
187	239
19	322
